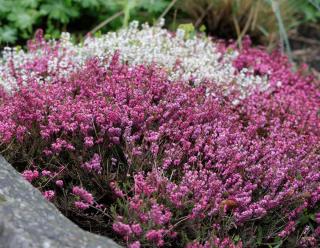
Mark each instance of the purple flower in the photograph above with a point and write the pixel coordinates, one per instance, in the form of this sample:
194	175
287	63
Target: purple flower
135	244
30	175
83	194
81	205
94	164
49	194
59	183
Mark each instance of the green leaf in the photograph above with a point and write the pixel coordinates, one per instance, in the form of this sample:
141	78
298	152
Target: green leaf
23	19
202	28
236	238
8	34
153	6
29	3
98	34
112	5
304	219
278	242
312	217
189	30
59	10
260	235
5	6
89	3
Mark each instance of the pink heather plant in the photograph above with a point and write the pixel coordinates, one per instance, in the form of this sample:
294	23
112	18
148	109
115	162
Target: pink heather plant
59	183
85	196
94	164
135	244
49	194
156	237
172	164
81	205
30	175
46	173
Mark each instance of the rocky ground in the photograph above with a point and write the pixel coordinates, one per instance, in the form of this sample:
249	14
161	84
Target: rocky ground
27	220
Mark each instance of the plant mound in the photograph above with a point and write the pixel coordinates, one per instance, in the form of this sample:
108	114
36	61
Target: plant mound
129	151
182	54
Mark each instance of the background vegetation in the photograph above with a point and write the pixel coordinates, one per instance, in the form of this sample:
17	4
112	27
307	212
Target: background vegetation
267	21
272	23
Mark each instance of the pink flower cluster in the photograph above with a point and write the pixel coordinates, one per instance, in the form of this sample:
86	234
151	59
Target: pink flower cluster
94	164
86	199
59	183
49	194
175	164
30	175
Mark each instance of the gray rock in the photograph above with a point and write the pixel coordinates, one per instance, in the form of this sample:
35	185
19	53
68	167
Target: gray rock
27	220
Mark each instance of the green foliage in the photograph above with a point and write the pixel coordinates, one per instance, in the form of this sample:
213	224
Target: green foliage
310	10
266	21
8	34
189	30
19	19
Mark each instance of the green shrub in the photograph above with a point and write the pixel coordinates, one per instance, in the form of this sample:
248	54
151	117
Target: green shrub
19	19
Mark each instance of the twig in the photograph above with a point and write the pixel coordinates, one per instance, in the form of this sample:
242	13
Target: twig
173	2
42	186
246	27
105	22
282	30
306	40
7	148
315	4
255	17
176	224
199	20
237	27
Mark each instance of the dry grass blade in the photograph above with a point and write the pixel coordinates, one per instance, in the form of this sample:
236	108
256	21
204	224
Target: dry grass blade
105	22
173	2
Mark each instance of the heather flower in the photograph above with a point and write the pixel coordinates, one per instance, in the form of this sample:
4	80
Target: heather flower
100	206
135	244
317	218
135	203
136	229
81	205
141	186
180	157
159	214
30	175
94	164
122	229
88	141
226	243
194	244
61	144
197	58
156	236
49	194
116	190
288	229
83	194
306	242
59	183
46	173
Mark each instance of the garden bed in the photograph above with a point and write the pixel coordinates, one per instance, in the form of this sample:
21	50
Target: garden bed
163	139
